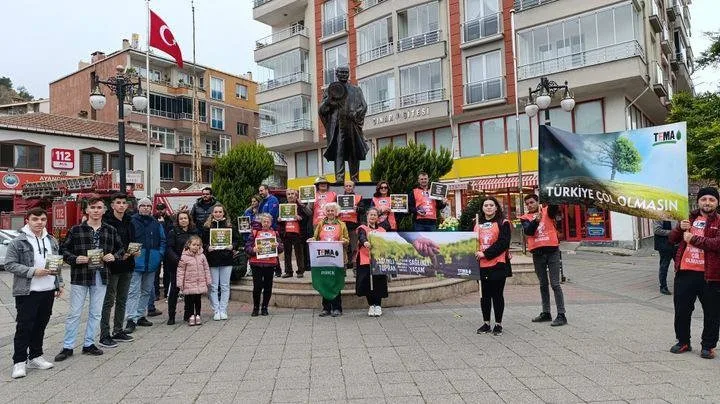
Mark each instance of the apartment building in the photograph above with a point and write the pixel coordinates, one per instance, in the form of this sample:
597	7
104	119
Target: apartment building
441	73
227	108
25	107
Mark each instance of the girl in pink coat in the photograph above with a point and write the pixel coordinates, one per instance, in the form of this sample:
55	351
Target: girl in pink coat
193	277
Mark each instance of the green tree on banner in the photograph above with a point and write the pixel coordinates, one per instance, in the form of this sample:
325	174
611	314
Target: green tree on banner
621	156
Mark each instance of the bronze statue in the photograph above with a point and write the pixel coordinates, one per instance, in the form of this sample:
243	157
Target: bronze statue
342	113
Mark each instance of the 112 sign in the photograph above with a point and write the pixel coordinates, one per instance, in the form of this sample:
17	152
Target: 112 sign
63	159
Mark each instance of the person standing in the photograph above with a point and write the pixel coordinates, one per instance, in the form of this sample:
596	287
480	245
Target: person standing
150	234
373	287
331	229
697	273
253	210
202	208
193	278
220	260
667	251
262	268
167	223
543	242
34	288
382	202
179	235
121	272
350	218
269	204
323	196
294	236
88	278
422	207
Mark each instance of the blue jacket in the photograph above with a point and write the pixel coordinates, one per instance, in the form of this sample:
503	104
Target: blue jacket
270	205
150	233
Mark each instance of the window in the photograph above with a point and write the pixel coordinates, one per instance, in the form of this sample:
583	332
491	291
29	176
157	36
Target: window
92	162
481	19
242	129
217	118
115	161
470	139
217	88
395	141
561	119
184	79
421	83
335	57
434	139
208	175
379	92
418	26
287	68
186	174
306	164
375	40
225	144
589	117
185	145
484	74
329	166
493	136
167	171
525	141
285	115
334	16
212	147
166	136
21	156
241	91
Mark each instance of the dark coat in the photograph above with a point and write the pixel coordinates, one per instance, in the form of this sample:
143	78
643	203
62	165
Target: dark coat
220	258
126	231
348	138
201	210
709	242
176	241
79	240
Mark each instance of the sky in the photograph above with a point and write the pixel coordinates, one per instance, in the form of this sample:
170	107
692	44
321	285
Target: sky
50	37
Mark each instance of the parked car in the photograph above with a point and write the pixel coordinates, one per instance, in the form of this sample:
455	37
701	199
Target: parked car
5	237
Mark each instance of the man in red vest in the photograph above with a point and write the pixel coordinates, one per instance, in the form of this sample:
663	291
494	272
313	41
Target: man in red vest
422	207
542	238
351	221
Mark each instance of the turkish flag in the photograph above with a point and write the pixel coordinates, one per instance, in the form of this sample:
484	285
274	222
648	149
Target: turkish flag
163	39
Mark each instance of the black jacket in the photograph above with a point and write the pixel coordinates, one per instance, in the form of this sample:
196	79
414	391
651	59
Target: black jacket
176	241
126	231
220	258
201	210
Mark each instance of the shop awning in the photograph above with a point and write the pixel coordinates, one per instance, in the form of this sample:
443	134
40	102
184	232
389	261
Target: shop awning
497	183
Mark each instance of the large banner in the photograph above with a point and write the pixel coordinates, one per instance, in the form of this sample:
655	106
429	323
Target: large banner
639	172
327	265
443	254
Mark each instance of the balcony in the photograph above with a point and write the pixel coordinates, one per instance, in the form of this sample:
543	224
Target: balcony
665	45
418	41
284	81
522	5
578	60
655	17
294	37
376	53
481	92
163	114
284	87
659	81
481	28
673	9
370	3
334	26
184	150
422	97
380	106
189	117
287	136
278	12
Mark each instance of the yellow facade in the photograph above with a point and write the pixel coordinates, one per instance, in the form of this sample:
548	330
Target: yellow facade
230	82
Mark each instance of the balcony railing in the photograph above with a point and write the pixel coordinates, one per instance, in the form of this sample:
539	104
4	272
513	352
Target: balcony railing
423	97
418	41
295	29
163	114
189	117
380	106
258	3
184	150
521	5
284	127
284	81
484	91
334	25
376	53
481	28
371	3
577	60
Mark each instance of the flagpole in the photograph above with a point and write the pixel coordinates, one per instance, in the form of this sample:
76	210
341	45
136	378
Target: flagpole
147	111
197	158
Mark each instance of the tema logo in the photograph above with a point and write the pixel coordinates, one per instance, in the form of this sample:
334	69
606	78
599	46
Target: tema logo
667	137
10	180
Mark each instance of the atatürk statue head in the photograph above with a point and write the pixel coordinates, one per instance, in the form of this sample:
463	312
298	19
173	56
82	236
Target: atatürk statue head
342	73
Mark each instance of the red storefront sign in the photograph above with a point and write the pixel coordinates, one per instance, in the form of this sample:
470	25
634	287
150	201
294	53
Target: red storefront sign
62	159
14	181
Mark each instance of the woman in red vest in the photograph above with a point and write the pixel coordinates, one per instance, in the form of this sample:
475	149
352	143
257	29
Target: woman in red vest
373	287
331	229
263	269
381	201
493	233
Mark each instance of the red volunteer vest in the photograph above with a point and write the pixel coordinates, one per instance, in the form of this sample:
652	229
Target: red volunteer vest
693	258
351	217
319	208
260	234
383	202
330	232
423	204
487	234
292	226
546	234
364	251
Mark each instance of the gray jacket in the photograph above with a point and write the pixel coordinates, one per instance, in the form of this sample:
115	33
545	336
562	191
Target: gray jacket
20	260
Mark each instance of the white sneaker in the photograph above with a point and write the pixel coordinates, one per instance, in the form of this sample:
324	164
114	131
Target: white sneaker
378	311
371	311
40	363
217	317
19	370
223	316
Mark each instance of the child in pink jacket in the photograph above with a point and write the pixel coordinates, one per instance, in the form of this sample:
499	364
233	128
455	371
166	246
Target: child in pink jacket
193	277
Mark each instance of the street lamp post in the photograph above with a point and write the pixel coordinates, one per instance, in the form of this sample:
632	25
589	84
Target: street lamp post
541	97
126	91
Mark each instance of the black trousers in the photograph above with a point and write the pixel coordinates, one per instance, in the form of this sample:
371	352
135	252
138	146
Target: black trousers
192	305
33	314
492	297
172	295
262	285
334	304
293	242
689	286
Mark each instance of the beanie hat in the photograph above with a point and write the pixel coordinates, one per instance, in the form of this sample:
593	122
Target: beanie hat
145	201
708	191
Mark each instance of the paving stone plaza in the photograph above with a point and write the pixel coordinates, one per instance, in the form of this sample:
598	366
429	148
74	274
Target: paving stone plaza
614	349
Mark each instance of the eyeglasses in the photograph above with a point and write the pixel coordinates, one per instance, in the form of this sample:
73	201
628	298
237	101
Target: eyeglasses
145	206
384	187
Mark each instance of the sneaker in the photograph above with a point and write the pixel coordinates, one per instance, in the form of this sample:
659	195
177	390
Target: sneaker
198	320
707	353
223	315
121	336
92	350
64	354
107	342
371	311
680	348
19	370
264	311
255	312
559	320
154	313
336	313
378	311
217	317
665	291
497	330
191	321
171	321
300	276
143	322
39	363
286	276
130	327
484	329
542	318
324	313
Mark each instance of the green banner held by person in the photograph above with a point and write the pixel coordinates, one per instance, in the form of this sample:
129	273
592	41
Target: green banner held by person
327	265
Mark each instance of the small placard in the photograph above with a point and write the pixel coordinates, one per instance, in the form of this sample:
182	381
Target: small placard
220	238
399	203
133	248
95	258
288	212
438	191
266	247
346	203
53	263
244	224
307	193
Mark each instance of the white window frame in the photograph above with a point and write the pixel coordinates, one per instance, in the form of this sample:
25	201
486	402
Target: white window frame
172	166
225	144
241	91
330	70
213	83
213	109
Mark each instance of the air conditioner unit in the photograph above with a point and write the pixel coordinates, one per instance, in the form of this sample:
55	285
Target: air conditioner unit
638	4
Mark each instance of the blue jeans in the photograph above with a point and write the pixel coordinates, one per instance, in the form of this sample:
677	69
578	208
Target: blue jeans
220	278
141	287
77	301
424	226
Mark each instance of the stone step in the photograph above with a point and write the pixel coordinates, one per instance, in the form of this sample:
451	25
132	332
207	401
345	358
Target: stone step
305	283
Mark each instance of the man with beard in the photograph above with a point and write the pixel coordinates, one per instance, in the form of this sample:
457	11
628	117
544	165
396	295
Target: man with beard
202	208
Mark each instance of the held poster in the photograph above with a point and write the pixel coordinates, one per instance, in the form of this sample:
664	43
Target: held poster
438	191
288	212
95	258
399	203
639	172
441	254
327	263
307	193
346	203
266	247
220	238
244	225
